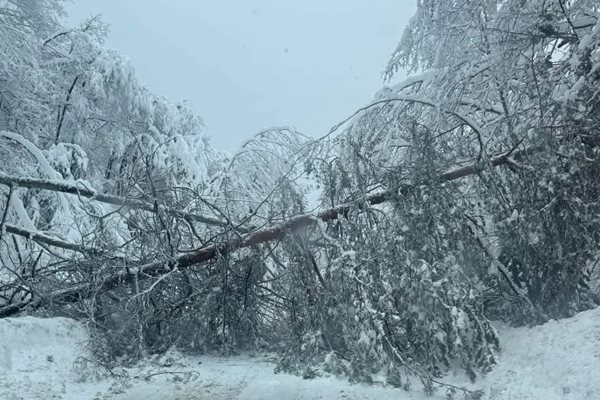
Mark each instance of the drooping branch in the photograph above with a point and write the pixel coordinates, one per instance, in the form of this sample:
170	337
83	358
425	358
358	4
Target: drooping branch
520	293
274	232
80	189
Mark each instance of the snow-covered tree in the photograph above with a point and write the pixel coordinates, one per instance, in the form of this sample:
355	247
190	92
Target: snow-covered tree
467	191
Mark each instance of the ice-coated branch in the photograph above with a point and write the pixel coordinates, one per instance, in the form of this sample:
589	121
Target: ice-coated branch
45	239
82	190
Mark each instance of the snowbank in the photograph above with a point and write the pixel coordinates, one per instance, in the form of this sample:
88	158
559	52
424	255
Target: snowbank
558	360
42	359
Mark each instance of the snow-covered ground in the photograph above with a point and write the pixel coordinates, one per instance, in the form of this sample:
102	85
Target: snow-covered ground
46	359
557	360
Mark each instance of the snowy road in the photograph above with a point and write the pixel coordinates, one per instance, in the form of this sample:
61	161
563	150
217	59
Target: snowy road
41	359
246	379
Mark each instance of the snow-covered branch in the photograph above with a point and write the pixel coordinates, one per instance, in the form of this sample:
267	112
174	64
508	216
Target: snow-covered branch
45	239
83	190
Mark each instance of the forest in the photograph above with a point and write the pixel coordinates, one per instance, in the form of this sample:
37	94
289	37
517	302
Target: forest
465	194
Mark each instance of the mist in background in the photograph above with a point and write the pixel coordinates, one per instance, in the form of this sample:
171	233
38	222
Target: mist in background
244	66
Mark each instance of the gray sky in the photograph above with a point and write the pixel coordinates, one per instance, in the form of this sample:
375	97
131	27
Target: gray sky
246	65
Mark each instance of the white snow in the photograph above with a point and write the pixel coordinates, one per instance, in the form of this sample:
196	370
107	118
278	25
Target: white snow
558	360
47	359
38	357
35	152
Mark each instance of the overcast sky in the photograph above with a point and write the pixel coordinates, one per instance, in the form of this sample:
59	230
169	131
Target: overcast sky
246	65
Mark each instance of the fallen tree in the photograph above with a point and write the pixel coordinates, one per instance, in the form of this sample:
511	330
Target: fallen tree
274	232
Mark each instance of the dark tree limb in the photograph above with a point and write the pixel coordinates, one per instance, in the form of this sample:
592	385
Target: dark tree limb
61	116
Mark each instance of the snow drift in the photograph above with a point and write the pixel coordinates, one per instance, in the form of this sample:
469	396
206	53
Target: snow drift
557	360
